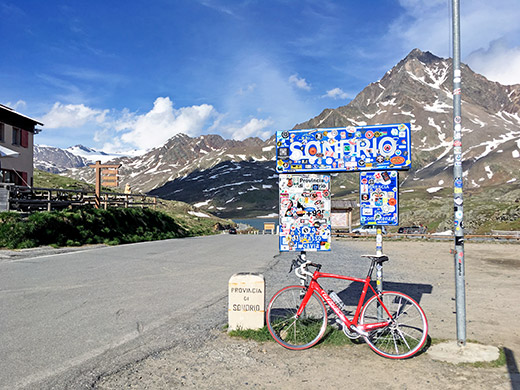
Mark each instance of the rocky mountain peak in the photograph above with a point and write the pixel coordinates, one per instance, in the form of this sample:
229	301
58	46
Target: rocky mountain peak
223	176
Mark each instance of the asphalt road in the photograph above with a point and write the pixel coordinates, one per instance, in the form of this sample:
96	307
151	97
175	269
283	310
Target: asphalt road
68	317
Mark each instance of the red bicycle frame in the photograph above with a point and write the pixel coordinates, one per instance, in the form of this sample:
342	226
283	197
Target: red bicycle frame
315	286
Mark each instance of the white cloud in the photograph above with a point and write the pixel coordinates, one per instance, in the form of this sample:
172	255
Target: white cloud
72	115
162	122
19	105
124	131
300	83
499	62
336	93
254	128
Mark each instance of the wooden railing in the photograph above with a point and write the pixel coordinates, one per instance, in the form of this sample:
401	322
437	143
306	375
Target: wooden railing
37	199
503	235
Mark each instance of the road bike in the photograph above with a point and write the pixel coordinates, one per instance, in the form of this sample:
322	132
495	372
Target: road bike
391	323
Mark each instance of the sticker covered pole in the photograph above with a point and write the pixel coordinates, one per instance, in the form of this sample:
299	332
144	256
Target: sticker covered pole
460	289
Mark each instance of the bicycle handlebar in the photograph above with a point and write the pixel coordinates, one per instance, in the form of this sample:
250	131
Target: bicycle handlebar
300	264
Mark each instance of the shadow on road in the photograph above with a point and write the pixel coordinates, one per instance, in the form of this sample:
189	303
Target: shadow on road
351	294
512	369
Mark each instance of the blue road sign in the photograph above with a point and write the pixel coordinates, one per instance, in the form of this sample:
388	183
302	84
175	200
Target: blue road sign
379	198
344	149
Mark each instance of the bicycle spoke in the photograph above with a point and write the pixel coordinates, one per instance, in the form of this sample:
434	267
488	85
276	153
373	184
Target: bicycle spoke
398	331
296	332
405	334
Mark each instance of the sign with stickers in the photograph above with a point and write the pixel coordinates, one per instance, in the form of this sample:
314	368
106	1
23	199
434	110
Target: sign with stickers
304	212
344	149
378	198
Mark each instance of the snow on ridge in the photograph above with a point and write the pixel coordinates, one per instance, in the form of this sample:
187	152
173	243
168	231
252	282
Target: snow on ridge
324	119
198	214
360	123
231	185
442	138
494	143
515	117
489	172
272	215
390	102
431	190
438	106
477	122
378	112
438	76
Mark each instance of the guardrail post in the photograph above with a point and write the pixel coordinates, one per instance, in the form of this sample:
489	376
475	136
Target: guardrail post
49	200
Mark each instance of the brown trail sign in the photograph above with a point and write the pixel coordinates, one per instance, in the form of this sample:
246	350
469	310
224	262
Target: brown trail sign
106	175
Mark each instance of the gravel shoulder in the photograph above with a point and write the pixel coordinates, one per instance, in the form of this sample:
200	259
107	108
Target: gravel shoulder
419	268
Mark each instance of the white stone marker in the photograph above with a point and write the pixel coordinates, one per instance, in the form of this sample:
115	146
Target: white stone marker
246	301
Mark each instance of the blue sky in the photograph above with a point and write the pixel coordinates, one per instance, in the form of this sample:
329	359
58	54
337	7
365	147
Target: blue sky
129	75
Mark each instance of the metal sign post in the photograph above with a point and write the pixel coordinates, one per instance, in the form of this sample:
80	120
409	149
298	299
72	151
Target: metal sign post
379	269
460	289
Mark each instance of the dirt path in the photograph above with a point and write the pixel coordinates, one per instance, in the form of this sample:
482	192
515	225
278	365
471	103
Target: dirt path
492	272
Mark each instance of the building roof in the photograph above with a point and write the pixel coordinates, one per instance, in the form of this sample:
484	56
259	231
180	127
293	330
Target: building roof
13	118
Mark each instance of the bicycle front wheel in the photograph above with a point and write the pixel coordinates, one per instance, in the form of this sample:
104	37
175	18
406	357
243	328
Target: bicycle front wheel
296	332
408	328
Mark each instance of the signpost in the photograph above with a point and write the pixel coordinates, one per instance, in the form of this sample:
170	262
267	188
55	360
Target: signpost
106	175
344	149
379	198
304	212
305	199
379	205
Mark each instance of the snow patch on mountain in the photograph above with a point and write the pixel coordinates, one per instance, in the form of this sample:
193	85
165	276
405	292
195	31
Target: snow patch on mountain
92	154
439	107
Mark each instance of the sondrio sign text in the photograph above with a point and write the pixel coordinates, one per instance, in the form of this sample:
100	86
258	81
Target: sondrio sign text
366	148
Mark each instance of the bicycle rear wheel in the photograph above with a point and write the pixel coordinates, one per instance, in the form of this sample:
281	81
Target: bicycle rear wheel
405	335
296	332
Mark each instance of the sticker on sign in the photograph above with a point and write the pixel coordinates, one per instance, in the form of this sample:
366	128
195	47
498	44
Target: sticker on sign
354	149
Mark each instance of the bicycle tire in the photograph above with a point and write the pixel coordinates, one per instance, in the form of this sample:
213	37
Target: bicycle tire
291	332
402	338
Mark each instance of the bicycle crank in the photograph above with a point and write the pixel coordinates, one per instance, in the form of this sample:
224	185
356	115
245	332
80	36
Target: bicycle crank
349	333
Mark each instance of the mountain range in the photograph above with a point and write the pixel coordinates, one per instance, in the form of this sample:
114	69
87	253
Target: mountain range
56	160
231	178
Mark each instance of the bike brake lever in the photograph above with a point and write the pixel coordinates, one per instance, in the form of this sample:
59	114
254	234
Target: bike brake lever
294	263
